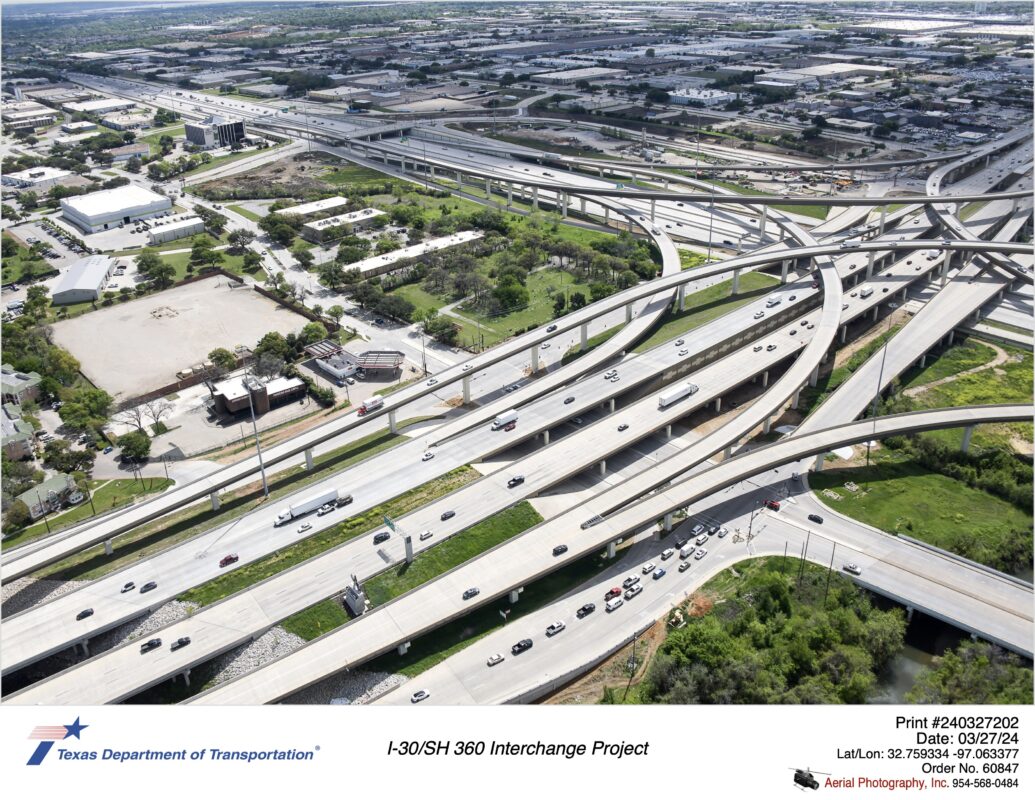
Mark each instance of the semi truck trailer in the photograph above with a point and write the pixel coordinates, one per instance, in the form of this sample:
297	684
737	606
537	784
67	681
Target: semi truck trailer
303	507
675	394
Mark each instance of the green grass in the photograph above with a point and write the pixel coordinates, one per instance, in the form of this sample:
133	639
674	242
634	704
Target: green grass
540	144
451	553
316	620
22	266
592	342
970	209
178	244
355	175
152	138
704	306
112	494
952	361
438	645
1005	327
899	496
246	213
423	301
148	539
689	259
219	161
285	558
812	396
397	386
180	262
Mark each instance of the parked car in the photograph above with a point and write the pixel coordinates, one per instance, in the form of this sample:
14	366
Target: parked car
647	568
586	610
816	518
420	694
659	573
700	554
227	560
107	449
772	505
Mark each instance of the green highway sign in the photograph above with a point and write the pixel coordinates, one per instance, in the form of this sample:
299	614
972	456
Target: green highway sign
388	522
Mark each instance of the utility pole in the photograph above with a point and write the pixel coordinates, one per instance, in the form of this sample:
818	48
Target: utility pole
258	447
829	571
876	399
43	508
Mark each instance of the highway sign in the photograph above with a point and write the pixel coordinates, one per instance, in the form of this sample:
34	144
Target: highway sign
389	522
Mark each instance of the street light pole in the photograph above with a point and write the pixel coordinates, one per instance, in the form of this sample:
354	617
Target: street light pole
258	448
43	509
876	399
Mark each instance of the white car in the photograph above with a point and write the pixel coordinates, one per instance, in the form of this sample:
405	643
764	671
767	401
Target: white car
432	382
701	539
759	314
468	367
555	628
494	659
700	554
325	509
305	526
419	695
427	457
632	591
667	554
648	568
852	568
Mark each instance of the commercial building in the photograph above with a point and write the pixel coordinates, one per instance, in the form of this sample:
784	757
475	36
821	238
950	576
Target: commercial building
28	116
209	80
113	208
128	151
341	225
126	122
167	231
317	206
79	127
231	395
215	131
36	178
17	387
84	281
701	97
267	90
104	106
570	76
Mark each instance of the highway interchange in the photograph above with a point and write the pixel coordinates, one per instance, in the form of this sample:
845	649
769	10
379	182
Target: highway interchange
720	356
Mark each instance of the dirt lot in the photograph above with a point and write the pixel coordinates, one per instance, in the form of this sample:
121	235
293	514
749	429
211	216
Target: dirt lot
132	348
285	177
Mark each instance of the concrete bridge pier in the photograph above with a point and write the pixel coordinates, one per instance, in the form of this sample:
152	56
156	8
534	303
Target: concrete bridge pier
467	388
535	197
785	265
85	645
607	215
843	333
909	613
546	437
765	379
818	466
653	207
718	404
611	402
883	217
968	432
564	204
488	189
680	297
515	594
213	497
814	377
510	195
107	542
392	428
876	311
403	649
952	336
869	264
668	431
582	204
186	677
459	181
736	282
762	220
628	312
795	399
603	467
533	357
611	549
767	425
309	458
583	335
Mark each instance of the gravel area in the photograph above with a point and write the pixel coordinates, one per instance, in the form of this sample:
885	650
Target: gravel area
275	643
24	593
347	688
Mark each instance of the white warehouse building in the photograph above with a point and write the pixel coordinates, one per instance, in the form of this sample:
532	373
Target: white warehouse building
112	208
84	281
175	229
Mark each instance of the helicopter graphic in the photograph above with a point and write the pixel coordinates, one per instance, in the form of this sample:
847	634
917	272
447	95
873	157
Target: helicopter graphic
805	778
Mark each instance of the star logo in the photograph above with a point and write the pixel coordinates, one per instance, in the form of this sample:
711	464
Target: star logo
46	735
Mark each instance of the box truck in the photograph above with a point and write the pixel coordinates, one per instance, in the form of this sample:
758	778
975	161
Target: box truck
866	291
305	506
675	394
371	404
505	419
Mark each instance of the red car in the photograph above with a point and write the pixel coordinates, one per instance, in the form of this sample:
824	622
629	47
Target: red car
226	561
510	426
773	505
615	592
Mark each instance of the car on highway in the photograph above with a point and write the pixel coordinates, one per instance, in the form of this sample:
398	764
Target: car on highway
770	348
447	515
517	480
474	591
772	505
86	612
667	554
326	508
520	647
427	457
613	592
680	342
228	559
554	628
586	610
149	586
544	346
344	501
816	518
183	641
494	659
632	591
684	351
792	298
468	367
659	573
560	550
128	587
383	536
432	382
759	314
623	427
852	568
793	331
647	568
632	580
700	554
756	349
419	695
684	566
305	526
610	374
615	378
426	535
569	400
150	644
701	539
551	329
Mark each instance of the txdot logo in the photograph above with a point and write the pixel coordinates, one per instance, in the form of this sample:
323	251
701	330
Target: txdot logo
47	735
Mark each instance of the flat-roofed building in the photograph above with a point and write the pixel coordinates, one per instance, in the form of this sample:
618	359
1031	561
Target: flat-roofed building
126	122
105	105
215	131
571	76
128	151
113	208
315	207
84	281
36	177
341	225
167	231
231	396
702	97
79	127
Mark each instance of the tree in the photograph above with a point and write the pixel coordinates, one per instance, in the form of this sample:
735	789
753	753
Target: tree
28	200
86	409
164	274
268	365
303	257
223	361
275	344
131	415
282	234
59	455
136	445
251	262
577	300
147	260
336	312
36	303
239	239
559	302
134	164
313	332
974	673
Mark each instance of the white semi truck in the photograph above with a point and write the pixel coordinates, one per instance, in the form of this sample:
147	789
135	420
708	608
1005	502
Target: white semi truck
370	404
675	394
303	507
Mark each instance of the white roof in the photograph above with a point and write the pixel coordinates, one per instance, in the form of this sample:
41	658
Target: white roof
430	246
177	224
346	219
315	207
109	201
39	174
87	273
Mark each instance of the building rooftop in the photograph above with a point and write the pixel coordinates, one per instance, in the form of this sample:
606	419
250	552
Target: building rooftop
86	273
345	219
316	206
110	200
13	382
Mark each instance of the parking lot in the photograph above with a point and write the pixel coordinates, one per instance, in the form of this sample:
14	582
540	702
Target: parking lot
131	348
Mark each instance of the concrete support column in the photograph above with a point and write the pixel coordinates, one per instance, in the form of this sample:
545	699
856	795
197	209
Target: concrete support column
309	458
653	207
718	404
582	204
460	181
391	422
611	549
107	542
628	312
977	315
905	294
564	205
668	522
736	282
767	425
814	377
535	197
765	379
607	215
762	220
533	356
668	431
214	498
583	335
968	432
488	189
85	645
909	613
680	297
727	451
510	195
612	403
408	545
876	311
546	437
186	677
795	399
818	467
923	361
883	216
515	594
467	389
952	336
843	333
869	265
403	649
431	170
603	467
785	265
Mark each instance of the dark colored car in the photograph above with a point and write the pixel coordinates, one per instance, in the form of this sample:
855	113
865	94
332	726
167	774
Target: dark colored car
344	501
183	641
150	644
227	560
474	591
510	426
713	530
560	549
447	515
816	518
551	329
86	612
129	587
517	480
586	610
522	646
147	587
383	536
569	400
